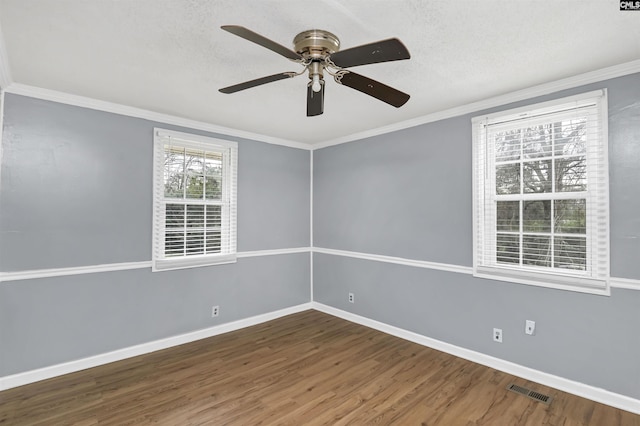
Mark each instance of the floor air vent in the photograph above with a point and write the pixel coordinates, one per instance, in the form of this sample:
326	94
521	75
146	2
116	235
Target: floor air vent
540	397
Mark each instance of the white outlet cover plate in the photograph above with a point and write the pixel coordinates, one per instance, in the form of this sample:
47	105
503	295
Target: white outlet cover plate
530	327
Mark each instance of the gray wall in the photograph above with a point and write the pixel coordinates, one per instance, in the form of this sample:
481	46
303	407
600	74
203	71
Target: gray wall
77	191
408	194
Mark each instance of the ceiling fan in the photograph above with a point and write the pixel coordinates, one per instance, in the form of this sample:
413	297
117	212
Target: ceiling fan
319	51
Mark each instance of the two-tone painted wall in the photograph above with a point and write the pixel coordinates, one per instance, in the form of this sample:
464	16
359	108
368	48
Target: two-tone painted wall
408	195
76	196
392	222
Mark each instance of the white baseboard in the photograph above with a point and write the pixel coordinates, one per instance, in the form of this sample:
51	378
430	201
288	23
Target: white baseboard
576	388
15	380
580	389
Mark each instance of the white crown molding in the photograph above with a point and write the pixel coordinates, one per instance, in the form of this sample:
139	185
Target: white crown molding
590	392
15	380
397	260
81	101
496	101
531	92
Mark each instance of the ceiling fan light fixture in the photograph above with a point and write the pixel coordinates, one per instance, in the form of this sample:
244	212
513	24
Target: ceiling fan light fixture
315	74
315	83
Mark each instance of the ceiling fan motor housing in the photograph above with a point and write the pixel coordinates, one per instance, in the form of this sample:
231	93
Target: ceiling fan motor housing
316	44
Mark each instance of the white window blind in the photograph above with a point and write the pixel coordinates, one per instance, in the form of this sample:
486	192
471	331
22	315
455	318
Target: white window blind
541	199
194	200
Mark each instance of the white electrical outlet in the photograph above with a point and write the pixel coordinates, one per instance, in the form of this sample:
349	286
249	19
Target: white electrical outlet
497	335
215	311
352	298
530	327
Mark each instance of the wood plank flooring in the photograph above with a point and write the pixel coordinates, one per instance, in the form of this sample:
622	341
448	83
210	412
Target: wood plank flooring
304	369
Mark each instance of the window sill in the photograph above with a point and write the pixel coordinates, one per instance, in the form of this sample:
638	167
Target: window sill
192	262
555	281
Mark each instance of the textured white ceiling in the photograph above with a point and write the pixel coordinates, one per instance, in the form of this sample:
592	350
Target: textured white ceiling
171	56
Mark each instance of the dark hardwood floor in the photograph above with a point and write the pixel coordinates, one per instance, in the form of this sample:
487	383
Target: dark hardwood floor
304	369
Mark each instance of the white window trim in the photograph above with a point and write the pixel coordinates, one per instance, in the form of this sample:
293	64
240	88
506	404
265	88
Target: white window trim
594	283
229	197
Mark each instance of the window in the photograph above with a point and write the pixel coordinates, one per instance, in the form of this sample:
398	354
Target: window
194	200
541	203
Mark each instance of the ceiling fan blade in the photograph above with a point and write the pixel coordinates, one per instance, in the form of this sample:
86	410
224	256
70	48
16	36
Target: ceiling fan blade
262	41
257	82
315	101
373	88
372	53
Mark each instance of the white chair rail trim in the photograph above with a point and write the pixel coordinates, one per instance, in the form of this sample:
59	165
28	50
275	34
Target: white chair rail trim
622	283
